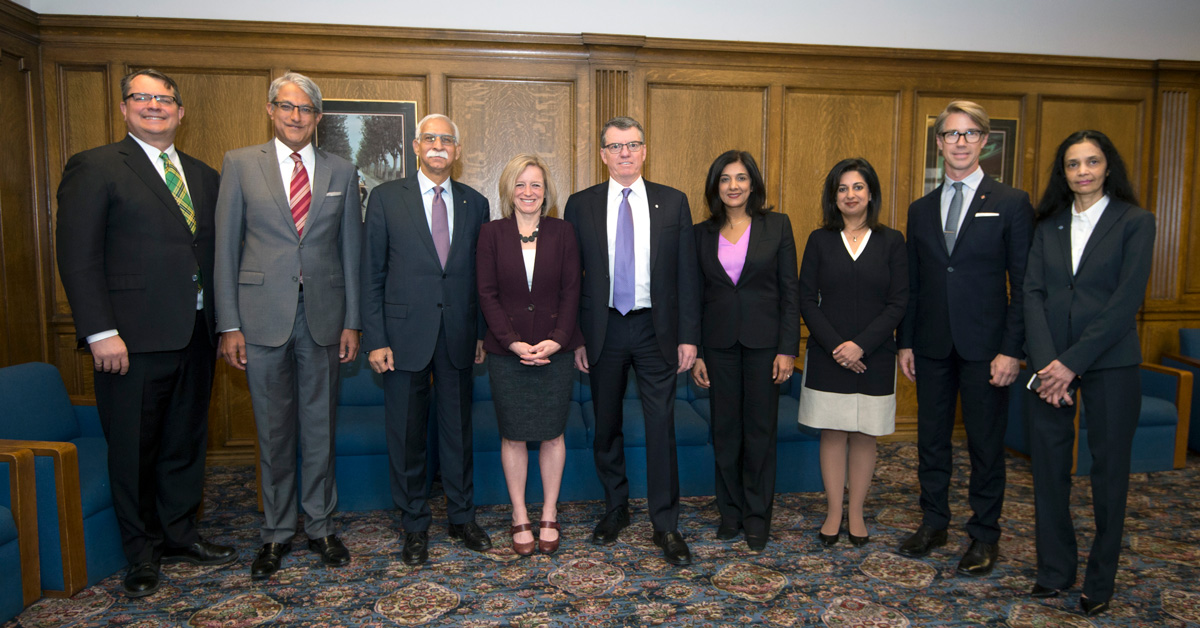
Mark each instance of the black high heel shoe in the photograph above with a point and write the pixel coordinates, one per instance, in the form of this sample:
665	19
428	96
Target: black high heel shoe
858	541
828	540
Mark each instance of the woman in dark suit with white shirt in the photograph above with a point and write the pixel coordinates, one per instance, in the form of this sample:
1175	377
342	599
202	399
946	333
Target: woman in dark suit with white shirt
750	336
527	268
853	293
1085	281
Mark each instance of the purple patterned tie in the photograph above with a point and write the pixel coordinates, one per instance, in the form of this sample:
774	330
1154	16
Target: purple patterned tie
440	226
623	269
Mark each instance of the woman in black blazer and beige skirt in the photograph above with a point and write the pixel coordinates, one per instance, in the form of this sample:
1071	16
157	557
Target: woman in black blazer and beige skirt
853	292
750	335
1085	281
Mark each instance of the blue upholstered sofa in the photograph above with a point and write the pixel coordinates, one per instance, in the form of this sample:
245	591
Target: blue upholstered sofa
1160	442
1188	359
362	463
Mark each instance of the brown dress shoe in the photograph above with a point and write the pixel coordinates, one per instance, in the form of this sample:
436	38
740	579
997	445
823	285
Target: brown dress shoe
548	547
522	549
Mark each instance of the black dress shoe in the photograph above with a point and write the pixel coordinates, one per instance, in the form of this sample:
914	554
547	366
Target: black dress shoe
141	580
858	541
828	540
979	560
1090	608
610	526
675	549
1040	592
756	543
270	555
200	553
416	548
472	536
727	531
923	541
333	552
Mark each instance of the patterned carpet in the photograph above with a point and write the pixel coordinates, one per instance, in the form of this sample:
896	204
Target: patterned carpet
795	582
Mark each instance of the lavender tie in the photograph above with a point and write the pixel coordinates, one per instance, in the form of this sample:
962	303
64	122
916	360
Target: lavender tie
440	226
623	270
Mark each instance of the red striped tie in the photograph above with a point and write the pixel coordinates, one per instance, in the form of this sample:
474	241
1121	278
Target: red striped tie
300	194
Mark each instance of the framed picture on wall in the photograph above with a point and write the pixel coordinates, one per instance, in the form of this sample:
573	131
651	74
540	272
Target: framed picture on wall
998	159
375	135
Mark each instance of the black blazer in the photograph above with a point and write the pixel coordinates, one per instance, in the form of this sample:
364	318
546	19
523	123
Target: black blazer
515	312
674	280
406	294
963	300
1088	320
763	309
125	253
861	300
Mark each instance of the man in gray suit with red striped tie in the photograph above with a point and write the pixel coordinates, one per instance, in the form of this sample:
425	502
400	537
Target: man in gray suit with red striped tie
288	235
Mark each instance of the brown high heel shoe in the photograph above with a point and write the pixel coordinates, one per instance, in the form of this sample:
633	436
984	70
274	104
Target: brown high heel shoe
522	549
548	547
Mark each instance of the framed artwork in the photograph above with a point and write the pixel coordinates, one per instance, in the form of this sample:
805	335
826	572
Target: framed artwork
374	135
998	159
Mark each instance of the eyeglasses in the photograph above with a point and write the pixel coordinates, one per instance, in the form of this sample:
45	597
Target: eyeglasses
973	136
161	99
287	108
616	147
430	138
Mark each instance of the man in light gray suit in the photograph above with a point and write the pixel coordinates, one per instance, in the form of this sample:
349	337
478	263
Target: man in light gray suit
288	238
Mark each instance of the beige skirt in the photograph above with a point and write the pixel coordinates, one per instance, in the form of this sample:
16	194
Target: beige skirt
848	412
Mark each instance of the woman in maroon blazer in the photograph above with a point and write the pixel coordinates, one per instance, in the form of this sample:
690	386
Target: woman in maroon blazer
527	266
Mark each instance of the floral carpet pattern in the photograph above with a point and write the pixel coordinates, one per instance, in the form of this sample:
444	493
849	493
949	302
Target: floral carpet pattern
795	582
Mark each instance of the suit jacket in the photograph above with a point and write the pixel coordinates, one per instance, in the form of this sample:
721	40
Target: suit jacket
962	300
260	256
674	277
514	311
861	300
763	309
1088	319
126	256
406	294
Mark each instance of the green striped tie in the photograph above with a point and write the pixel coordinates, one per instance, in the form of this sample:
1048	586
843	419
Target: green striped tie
179	191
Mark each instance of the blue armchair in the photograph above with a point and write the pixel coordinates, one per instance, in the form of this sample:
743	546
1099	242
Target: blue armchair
1188	360
79	542
18	531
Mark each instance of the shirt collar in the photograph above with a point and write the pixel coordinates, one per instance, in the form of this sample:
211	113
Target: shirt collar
307	154
152	151
1091	214
427	184
638	187
971	181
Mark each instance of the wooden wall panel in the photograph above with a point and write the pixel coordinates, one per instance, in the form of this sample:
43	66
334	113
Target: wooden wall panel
688	126
1121	121
223	110
822	128
499	119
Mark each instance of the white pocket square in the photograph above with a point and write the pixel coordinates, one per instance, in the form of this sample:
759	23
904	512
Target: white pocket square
987	215
340	193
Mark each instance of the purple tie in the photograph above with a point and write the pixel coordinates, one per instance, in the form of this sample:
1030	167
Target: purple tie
440	226
623	270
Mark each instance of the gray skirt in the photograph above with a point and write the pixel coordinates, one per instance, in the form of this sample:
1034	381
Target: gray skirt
531	401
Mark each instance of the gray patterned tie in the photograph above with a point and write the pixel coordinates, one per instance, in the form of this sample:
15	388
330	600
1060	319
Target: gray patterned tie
951	230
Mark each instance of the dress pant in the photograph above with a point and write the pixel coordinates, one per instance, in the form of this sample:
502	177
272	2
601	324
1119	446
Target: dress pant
406	403
630	341
745	417
293	390
985	417
1112	399
155	419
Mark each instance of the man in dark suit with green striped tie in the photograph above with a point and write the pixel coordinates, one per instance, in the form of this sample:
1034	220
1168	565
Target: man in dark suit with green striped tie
135	242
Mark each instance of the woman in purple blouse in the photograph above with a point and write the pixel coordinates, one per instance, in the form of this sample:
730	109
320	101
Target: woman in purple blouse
750	336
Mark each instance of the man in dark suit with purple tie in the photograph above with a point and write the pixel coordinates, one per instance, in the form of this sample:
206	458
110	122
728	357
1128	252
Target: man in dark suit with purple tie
639	306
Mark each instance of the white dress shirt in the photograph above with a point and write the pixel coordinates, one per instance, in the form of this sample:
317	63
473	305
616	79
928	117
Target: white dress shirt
308	157
427	199
970	184
1083	223
641	239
